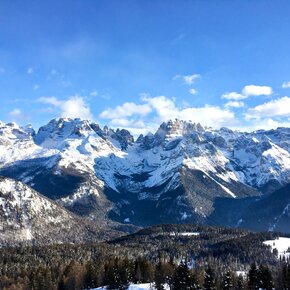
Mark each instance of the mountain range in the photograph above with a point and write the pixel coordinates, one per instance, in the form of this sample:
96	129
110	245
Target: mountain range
91	177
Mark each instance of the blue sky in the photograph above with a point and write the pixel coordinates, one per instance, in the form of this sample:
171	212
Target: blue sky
134	64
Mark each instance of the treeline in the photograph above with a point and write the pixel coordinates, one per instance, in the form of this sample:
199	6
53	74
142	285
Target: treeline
119	273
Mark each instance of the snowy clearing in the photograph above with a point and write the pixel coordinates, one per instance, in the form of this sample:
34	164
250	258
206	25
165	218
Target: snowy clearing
144	286
187	234
281	244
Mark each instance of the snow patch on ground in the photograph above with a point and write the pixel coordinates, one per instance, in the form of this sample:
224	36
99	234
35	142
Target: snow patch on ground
281	244
186	234
144	286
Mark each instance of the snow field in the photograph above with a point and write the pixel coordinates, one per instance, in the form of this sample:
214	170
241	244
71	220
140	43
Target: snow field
281	244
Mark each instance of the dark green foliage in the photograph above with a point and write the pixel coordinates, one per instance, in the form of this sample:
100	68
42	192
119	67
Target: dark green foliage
227	283
150	255
163	274
253	277
240	283
181	279
209	279
260	278
266	280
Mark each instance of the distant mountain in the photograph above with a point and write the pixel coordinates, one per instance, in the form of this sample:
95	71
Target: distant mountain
183	173
29	218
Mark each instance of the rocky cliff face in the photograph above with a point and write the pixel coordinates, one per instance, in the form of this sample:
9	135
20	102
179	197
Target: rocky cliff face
30	218
182	173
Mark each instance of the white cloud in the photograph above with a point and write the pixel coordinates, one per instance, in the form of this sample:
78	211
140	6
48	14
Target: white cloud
126	110
266	124
166	109
189	80
192	91
162	106
50	100
252	90
35	87
286	85
74	107
234	104
154	110
123	122
248	91
275	108
94	93
233	96
17	115
30	71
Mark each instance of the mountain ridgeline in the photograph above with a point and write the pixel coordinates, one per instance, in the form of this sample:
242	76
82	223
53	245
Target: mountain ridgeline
184	173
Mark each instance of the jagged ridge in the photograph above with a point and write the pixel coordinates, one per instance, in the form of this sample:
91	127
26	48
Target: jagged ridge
175	175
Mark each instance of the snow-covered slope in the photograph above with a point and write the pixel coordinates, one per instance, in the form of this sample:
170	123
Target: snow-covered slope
282	245
143	286
28	217
177	174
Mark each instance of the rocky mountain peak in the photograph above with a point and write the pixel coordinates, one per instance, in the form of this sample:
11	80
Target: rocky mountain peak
175	128
59	130
124	137
11	132
183	167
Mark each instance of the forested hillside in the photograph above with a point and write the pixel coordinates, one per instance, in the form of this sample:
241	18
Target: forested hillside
204	256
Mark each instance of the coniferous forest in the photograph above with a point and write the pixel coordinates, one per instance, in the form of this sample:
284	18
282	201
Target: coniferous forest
181	256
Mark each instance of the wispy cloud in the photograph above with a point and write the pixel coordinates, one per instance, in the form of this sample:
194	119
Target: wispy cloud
178	38
53	72
30	70
126	110
187	79
286	85
233	96
73	107
234	104
65	83
94	93
77	49
17	115
192	91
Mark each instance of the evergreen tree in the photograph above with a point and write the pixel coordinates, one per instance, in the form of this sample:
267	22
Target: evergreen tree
138	274
163	274
240	283
209	279
227	283
118	277
194	283
181	279
284	277
265	278
253	280
159	278
90	276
